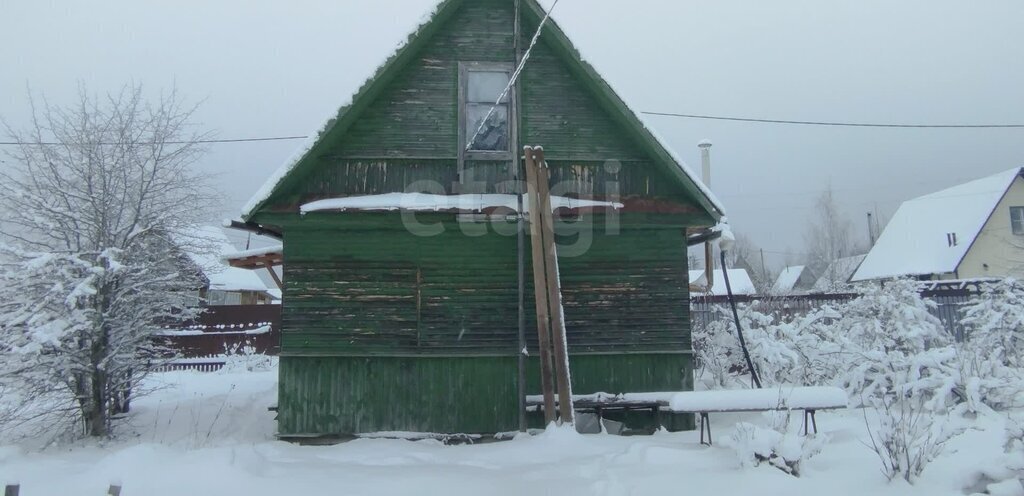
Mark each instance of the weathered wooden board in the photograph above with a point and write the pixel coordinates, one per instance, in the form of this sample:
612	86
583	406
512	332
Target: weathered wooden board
351	395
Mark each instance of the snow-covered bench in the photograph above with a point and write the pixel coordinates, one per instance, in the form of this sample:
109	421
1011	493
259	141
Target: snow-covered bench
704	403
808	399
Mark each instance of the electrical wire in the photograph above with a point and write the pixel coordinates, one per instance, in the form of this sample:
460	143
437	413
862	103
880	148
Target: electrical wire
513	80
229	140
739	329
836	124
514	77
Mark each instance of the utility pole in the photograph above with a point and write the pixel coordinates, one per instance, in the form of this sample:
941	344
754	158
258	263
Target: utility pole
764	269
871	230
521	351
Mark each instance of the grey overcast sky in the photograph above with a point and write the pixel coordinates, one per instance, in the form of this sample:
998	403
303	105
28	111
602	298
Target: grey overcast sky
266	68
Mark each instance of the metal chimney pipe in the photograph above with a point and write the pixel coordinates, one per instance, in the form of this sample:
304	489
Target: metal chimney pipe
709	260
705	161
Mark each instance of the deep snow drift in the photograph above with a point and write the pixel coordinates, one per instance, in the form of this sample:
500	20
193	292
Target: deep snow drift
211	433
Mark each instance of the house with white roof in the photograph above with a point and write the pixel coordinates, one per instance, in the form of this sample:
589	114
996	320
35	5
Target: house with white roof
794	279
207	249
971	231
739	281
838	275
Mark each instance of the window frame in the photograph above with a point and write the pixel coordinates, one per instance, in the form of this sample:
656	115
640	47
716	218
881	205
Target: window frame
1017	223
513	119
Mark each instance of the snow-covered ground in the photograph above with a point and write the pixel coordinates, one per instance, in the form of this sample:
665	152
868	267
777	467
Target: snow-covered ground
211	433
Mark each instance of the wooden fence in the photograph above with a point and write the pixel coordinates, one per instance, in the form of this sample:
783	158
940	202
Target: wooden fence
211	363
707	309
226	329
220	331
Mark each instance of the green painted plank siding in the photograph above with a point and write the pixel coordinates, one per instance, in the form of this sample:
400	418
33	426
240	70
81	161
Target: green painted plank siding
613	179
561	114
351	395
390	292
407	134
417	115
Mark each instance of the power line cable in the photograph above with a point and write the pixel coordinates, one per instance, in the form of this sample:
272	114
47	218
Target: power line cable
228	140
836	124
513	78
664	114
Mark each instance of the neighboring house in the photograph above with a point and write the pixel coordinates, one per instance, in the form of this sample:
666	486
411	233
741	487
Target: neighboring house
971	231
400	309
794	279
838	275
739	281
223	285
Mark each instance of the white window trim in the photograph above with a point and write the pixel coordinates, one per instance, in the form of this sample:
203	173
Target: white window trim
1017	223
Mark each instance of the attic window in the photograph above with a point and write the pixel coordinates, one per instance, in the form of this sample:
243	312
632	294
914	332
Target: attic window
486	131
1017	220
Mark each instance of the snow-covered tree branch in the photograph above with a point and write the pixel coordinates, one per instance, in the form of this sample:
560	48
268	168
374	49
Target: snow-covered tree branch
93	198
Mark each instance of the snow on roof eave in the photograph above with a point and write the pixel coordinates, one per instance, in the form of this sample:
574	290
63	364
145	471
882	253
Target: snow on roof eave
270	186
475	202
255	252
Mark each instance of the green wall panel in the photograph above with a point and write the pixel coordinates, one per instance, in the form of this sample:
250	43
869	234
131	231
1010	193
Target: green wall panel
331	396
390	292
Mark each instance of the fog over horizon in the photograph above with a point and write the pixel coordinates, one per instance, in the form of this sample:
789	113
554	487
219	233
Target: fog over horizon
278	68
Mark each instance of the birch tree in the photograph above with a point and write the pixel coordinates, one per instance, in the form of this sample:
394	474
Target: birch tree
93	199
830	236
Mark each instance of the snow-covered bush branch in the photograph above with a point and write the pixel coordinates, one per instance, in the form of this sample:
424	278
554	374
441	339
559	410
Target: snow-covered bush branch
779	445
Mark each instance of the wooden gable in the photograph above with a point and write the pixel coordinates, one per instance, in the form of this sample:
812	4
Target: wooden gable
403	125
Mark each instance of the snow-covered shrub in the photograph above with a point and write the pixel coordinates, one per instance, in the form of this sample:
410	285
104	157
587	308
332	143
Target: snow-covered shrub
780	351
1005	475
905	434
243	356
991	360
718	350
874	345
894	343
800	351
780	446
825	354
981	382
994	321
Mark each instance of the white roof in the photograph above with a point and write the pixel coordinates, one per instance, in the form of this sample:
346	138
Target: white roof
915	240
738	279
207	247
402	36
788	278
839	273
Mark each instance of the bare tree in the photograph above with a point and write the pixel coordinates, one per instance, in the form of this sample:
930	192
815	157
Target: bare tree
746	255
830	235
94	199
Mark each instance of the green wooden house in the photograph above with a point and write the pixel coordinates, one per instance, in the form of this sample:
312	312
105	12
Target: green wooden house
387	327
